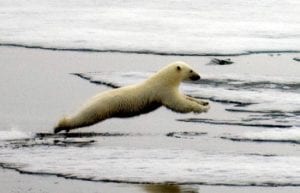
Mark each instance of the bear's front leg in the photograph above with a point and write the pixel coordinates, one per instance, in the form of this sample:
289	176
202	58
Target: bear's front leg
183	105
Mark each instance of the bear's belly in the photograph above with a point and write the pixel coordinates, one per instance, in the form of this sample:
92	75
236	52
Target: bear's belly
134	112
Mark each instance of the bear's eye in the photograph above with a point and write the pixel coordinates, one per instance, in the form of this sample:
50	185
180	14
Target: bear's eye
178	68
191	71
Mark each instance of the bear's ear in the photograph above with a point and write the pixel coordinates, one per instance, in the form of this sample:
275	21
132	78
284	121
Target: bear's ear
178	68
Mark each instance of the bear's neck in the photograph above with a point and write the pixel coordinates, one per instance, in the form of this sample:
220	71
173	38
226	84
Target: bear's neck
164	80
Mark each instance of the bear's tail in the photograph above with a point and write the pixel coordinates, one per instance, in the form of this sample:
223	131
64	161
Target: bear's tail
62	125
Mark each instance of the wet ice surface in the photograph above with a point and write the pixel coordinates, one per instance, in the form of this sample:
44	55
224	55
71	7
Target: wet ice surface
250	137
271	135
89	160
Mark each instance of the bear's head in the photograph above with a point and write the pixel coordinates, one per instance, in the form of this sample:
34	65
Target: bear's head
184	71
175	73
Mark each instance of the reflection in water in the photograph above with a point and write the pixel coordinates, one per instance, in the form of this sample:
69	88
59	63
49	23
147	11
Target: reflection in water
168	188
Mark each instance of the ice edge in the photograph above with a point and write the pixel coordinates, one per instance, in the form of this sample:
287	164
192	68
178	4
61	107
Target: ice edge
146	52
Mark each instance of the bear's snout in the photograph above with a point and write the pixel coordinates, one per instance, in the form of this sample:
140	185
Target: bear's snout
195	77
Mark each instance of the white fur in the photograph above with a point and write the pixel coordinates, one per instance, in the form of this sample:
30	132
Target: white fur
161	89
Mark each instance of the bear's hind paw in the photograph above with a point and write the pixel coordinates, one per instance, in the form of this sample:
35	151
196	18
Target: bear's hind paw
59	129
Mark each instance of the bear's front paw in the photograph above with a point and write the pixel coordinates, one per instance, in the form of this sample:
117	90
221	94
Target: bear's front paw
201	109
204	103
206	108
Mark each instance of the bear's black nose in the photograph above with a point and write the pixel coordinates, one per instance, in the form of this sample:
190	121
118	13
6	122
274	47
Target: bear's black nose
195	77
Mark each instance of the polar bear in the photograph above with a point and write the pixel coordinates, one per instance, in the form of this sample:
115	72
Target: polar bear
161	89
